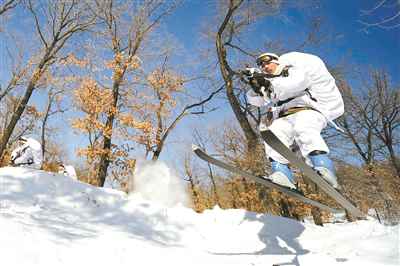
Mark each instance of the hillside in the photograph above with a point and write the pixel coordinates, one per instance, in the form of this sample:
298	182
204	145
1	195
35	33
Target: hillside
50	219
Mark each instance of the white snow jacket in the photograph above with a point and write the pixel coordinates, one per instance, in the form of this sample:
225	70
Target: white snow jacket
68	170
309	83
28	155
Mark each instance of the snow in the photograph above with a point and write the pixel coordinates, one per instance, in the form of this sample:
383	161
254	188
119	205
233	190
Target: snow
51	219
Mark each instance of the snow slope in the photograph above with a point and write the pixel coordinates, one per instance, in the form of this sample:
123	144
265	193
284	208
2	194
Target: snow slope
50	219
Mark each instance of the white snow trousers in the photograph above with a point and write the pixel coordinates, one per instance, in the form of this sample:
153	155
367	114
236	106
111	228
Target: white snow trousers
304	127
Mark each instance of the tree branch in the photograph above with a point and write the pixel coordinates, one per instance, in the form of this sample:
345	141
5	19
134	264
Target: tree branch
10	4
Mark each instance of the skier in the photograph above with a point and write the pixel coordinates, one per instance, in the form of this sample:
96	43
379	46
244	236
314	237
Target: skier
301	97
27	154
67	170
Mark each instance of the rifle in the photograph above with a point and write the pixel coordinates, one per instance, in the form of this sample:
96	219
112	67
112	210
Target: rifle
258	81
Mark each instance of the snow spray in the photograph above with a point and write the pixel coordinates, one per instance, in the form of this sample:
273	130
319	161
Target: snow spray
155	181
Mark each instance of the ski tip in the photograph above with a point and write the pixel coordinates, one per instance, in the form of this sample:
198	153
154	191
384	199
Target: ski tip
195	147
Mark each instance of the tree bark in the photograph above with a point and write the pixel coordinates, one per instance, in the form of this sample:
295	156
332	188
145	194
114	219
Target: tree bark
105	156
227	74
21	106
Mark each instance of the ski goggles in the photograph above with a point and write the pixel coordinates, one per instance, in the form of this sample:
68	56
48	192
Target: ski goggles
265	59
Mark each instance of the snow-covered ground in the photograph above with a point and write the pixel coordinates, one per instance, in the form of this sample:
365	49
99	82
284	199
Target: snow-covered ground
50	219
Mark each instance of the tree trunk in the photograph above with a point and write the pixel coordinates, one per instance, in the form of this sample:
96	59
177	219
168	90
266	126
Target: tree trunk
104	161
286	209
211	175
105	156
18	112
315	212
394	160
43	133
227	75
317	216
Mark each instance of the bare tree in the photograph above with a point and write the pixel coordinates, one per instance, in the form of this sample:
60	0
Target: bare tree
15	81
52	108
27	122
371	123
358	122
372	119
226	31
388	111
55	25
164	128
194	184
385	15
13	60
201	143
8	5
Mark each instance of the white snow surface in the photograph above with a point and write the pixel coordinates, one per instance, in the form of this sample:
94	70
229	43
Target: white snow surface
51	219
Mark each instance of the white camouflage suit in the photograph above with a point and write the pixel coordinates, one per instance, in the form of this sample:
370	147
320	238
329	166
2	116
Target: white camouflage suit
28	155
68	170
309	72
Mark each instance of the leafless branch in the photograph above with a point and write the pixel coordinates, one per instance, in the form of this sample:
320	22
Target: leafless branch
8	5
388	22
65	24
179	117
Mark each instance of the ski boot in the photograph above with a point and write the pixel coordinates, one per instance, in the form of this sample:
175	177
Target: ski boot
281	174
324	166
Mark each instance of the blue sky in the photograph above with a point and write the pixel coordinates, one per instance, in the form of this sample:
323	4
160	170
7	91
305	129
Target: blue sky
377	47
347	41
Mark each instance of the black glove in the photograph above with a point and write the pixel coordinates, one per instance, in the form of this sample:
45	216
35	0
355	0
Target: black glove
257	81
255	85
248	72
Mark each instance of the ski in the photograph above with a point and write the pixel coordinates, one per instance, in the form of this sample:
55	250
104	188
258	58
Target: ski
272	140
288	191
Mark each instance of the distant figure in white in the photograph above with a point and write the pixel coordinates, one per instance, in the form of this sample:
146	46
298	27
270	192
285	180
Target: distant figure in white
27	154
67	170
